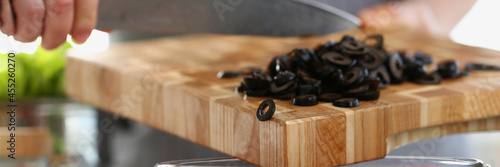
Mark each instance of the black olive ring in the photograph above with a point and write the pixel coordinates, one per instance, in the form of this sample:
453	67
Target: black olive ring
379	41
346	102
264	116
337	58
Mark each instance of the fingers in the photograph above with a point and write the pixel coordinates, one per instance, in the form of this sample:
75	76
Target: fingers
58	22
7	25
85	19
51	19
369	20
29	19
106	30
376	18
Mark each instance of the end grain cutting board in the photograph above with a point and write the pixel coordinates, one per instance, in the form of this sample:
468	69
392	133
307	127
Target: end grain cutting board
171	84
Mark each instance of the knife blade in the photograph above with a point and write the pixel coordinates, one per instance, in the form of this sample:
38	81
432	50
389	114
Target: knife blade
250	17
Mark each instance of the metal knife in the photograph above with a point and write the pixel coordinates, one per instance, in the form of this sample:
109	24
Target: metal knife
250	17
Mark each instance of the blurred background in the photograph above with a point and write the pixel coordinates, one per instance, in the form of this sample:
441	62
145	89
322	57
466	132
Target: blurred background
75	134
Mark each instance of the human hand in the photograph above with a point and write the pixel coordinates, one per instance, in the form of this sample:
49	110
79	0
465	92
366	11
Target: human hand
53	20
428	16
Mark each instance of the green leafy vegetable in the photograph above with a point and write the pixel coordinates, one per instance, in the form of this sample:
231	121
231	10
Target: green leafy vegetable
37	75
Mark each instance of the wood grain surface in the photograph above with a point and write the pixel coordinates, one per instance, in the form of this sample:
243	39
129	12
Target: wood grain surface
171	84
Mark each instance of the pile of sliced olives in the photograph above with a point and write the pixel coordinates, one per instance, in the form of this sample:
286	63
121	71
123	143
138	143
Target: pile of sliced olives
343	73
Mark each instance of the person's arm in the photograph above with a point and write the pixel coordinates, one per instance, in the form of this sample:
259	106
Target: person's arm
437	17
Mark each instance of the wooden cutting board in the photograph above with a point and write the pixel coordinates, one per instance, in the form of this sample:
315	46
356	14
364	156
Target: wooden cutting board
171	84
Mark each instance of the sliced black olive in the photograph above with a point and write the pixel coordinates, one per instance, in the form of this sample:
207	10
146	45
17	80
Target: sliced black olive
304	73
425	58
481	67
262	115
309	81
316	89
372	83
256	84
448	66
337	59
349	68
405	56
321	49
285	88
257	93
364	70
241	88
346	102
305	58
346	38
284	77
354	48
449	69
303	55
286	96
356	92
329	97
272	67
416	69
383	55
227	74
334	83
353	45
305	100
420	70
354	76
338	77
371	60
396	68
280	63
369	95
286	63
324	71
315	61
431	79
383	75
308	86
375	41
250	71
259	74
304	90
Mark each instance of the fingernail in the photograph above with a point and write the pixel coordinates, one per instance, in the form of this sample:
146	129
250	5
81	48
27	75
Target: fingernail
46	45
80	38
